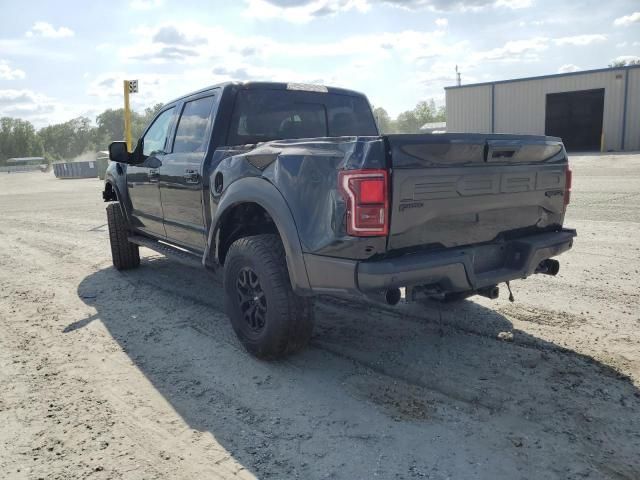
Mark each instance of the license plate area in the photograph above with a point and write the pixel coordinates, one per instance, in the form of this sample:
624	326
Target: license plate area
489	257
510	255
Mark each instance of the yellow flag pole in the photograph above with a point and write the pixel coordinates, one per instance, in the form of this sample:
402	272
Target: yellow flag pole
127	116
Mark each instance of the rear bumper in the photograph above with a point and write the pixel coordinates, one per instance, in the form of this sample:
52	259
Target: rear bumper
450	270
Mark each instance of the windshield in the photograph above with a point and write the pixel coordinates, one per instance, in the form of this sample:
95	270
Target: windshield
264	115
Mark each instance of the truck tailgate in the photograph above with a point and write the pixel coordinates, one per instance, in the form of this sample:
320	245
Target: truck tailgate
459	189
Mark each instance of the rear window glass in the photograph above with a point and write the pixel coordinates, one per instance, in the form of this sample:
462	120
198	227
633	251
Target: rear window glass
264	115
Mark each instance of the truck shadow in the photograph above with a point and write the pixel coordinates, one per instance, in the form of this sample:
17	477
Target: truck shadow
393	394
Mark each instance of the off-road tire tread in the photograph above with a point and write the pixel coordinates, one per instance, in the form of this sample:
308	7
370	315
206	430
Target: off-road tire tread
296	311
125	255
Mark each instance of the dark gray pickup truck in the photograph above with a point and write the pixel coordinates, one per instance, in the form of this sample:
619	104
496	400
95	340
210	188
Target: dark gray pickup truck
290	191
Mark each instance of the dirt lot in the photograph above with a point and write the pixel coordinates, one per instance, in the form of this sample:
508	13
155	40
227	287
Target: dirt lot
139	375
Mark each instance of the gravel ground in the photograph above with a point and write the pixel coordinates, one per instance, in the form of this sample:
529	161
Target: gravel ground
110	375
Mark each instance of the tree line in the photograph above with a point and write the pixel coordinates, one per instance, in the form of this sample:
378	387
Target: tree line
410	121
67	140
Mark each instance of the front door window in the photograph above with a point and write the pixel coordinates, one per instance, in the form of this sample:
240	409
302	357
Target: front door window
156	137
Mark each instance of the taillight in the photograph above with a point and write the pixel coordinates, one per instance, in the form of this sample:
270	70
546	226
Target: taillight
367	196
567	187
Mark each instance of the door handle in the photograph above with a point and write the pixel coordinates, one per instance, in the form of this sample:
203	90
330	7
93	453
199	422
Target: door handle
191	176
153	175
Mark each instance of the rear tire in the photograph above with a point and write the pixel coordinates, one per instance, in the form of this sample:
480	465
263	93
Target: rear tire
268	318
125	255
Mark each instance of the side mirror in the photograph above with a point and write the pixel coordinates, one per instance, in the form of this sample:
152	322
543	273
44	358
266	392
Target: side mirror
118	152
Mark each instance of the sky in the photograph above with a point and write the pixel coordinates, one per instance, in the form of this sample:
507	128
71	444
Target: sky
63	59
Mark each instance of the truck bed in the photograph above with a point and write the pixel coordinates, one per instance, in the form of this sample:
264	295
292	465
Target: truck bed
446	190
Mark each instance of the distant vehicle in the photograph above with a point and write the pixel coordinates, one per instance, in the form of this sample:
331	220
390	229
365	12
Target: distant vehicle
434	127
24	164
289	191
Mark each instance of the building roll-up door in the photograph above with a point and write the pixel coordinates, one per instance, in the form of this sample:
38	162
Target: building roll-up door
576	117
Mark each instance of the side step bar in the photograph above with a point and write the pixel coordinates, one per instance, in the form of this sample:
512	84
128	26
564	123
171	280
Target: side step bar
178	254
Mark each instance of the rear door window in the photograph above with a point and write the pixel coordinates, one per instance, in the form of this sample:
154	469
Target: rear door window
191	133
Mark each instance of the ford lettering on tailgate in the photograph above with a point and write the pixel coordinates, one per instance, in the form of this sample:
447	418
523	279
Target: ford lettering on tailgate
436	186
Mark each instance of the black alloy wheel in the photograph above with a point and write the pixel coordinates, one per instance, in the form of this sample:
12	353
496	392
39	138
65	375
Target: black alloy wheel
253	302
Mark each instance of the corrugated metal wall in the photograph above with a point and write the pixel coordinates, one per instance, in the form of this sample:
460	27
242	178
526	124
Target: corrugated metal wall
520	105
469	109
632	141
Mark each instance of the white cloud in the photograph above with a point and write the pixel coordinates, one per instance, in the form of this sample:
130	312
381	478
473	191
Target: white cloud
513	4
104	46
229	47
530	49
580	40
145	4
540	22
109	84
627	20
8	73
11	98
28	105
194	55
106	88
442	22
456	5
300	11
27	47
40	109
46	30
439	74
626	44
431	56
514	50
569	67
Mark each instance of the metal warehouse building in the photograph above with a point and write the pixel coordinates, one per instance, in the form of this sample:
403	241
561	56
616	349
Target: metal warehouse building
590	110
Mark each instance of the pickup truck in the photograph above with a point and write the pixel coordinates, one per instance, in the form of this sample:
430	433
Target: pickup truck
289	191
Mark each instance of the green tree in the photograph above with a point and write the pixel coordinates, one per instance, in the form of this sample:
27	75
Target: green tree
383	120
18	138
424	112
110	125
64	141
624	62
407	122
151	112
67	140
140	122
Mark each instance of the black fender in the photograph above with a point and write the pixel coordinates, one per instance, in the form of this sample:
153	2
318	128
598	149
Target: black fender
116	177
262	192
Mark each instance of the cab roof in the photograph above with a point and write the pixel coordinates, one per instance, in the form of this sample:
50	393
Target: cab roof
270	86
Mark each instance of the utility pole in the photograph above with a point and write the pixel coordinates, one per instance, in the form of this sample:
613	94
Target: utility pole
458	80
129	86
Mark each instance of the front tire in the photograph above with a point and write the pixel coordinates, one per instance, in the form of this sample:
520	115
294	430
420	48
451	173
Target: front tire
268	318
125	255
